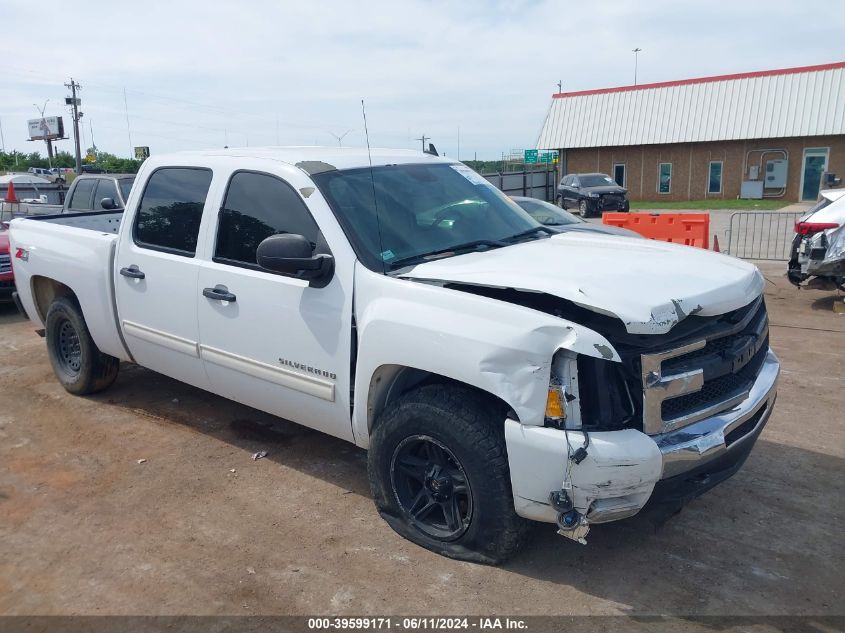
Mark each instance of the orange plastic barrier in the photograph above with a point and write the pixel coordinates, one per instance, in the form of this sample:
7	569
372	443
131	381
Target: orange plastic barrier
692	229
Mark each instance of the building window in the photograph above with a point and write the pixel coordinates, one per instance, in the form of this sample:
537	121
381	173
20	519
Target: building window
619	174
714	179
664	178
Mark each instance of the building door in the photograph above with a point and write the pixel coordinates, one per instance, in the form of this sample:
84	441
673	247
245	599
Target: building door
619	174
813	165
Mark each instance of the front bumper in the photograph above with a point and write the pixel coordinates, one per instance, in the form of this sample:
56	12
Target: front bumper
603	204
624	469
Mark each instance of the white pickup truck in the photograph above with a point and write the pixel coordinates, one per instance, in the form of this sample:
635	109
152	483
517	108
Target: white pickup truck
496	370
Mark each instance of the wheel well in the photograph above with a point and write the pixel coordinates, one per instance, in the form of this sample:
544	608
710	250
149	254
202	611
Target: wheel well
389	382
45	291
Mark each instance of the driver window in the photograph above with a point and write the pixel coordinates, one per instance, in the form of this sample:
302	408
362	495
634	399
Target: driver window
257	206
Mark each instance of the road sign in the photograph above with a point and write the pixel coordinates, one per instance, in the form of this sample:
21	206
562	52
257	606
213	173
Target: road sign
142	152
548	157
530	156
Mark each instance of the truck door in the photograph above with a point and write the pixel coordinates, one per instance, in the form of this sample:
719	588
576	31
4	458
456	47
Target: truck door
156	276
269	340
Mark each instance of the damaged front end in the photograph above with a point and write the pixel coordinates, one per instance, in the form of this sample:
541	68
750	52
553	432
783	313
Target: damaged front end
677	414
818	255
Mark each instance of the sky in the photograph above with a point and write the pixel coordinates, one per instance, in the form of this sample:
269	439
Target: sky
476	77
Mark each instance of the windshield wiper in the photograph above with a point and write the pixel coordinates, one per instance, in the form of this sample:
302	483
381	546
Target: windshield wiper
529	232
452	250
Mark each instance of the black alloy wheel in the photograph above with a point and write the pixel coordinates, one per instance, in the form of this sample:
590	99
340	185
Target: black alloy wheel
431	487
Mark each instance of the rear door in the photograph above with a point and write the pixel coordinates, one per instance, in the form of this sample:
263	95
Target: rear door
269	340
157	269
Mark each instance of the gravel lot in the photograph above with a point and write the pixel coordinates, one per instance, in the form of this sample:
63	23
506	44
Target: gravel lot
201	528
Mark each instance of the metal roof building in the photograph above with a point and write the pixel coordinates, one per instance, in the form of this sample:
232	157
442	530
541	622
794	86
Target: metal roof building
792	109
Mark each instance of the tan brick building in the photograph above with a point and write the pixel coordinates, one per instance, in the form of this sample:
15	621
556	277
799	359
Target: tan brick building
763	134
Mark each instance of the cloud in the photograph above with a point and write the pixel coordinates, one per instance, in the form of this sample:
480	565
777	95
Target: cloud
201	74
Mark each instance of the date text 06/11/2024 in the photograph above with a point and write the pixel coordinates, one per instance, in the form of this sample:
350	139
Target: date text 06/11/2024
416	623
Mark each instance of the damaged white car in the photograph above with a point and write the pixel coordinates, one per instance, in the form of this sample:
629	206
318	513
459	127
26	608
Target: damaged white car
818	248
496	370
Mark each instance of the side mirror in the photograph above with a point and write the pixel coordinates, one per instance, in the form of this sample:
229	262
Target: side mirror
291	254
108	204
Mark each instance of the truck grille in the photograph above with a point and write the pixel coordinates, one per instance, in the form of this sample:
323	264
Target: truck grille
705	377
5	263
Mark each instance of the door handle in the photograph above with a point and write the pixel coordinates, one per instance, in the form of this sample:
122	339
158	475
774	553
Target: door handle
220	293
133	272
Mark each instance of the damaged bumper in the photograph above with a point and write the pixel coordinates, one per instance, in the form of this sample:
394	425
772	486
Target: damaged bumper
626	469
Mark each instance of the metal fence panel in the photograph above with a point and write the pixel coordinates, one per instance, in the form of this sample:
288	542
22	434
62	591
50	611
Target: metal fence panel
533	184
762	235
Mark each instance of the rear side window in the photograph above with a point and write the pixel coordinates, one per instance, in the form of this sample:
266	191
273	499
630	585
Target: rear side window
82	194
258	206
105	189
170	211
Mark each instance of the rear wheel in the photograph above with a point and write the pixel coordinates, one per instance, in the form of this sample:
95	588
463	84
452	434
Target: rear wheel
76	361
439	474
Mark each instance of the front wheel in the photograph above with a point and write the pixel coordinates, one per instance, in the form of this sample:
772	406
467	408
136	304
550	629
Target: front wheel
76	361
439	474
583	209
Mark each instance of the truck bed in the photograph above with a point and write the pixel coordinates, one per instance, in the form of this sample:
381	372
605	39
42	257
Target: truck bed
78	251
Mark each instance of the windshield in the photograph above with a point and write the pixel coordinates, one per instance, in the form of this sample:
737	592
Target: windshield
546	213
125	187
423	211
596	180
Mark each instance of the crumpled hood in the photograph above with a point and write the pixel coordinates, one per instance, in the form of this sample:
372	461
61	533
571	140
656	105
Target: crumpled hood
649	285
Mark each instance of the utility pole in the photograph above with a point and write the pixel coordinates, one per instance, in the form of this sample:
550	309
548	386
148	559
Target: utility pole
2	139
75	102
458	155
423	139
636	52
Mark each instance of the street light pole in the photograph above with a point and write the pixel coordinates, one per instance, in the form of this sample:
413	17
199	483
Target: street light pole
636	52
46	138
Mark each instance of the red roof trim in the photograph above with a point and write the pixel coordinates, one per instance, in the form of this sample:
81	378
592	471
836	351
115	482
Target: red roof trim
701	80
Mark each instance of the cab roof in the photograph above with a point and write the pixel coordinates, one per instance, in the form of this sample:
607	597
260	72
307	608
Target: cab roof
314	160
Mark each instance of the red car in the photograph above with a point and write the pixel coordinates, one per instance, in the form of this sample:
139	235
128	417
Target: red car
7	277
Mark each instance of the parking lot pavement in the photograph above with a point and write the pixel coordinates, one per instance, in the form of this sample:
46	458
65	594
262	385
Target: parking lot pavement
201	528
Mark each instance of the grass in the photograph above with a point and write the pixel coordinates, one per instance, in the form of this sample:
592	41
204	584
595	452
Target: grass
706	205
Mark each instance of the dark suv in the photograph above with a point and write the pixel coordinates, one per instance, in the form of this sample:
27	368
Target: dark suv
591	194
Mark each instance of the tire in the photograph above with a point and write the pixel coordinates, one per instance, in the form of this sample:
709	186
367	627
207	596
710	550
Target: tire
439	449
561	203
76	361
626	207
583	209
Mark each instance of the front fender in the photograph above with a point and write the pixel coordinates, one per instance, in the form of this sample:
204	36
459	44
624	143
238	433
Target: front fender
501	348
